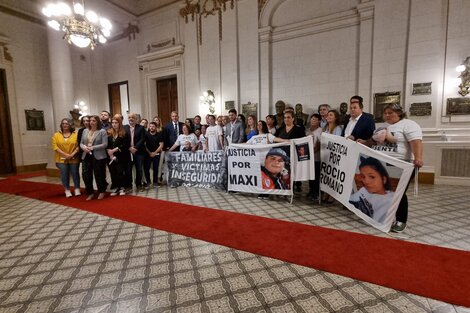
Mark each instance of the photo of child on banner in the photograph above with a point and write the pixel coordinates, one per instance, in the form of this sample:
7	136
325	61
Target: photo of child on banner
261	169
372	188
303	162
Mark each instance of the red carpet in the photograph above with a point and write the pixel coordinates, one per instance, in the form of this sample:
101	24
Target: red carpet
433	272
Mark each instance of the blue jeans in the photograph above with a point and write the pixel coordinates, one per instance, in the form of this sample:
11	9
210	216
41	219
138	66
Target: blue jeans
67	169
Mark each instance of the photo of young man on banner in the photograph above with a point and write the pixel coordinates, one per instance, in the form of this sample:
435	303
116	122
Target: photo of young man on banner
303	162
372	188
261	169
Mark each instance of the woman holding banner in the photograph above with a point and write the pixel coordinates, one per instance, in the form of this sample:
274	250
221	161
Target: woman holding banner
289	130
315	131
406	145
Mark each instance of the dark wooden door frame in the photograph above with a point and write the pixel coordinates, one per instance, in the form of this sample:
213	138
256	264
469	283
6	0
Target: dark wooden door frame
110	98
7	138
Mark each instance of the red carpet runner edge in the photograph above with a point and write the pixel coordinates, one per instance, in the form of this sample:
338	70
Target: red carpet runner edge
434	272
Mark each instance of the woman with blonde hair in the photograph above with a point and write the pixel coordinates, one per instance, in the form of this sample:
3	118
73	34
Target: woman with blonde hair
65	145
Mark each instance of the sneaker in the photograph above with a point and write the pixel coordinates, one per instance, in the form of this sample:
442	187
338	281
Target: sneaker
115	192
122	192
145	186
398	227
77	192
68	194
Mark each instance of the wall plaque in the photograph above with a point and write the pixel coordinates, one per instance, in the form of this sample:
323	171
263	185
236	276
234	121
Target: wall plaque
420	109
250	109
458	106
381	100
34	120
421	89
229	105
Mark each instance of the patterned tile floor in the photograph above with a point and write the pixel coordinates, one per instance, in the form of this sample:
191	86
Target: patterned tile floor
59	259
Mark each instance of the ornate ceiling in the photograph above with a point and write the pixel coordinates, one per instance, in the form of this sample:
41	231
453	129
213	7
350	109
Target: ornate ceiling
139	7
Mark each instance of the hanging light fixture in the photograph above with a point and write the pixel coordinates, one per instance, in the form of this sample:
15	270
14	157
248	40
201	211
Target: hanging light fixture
81	28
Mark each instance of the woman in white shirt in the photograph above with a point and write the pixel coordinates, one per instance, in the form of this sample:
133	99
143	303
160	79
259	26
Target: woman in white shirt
263	137
186	141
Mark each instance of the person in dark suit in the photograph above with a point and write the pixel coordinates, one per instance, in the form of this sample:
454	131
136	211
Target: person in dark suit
172	130
359	125
136	133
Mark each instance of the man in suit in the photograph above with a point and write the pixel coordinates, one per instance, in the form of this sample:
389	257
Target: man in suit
359	125
172	130
234	129
136	133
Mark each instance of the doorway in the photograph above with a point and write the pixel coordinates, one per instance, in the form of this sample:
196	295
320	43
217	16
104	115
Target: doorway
119	99
167	98
6	143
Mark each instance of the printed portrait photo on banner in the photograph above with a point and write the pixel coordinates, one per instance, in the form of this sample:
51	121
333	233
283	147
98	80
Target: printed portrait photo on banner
275	170
376	183
303	152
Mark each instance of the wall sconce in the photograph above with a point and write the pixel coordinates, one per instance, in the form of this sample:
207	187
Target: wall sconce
464	70
208	99
81	107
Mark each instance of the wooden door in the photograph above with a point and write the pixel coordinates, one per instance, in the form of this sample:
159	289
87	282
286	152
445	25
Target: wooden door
6	143
115	98
167	98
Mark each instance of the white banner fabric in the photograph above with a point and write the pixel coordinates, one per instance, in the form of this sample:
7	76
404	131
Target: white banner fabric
303	161
369	183
261	169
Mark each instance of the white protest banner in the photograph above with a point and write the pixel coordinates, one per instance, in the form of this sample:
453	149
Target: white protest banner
261	168
202	170
369	183
303	161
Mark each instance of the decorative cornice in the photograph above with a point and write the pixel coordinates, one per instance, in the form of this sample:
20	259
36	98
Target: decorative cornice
21	15
366	10
161	54
317	25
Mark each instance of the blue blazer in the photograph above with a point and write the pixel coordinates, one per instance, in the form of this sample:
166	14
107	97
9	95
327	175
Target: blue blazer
364	128
170	135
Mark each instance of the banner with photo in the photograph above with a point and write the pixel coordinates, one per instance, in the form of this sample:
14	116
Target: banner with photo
367	182
303	161
261	169
201	169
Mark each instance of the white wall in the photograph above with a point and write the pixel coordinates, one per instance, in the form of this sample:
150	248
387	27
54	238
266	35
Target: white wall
29	87
307	51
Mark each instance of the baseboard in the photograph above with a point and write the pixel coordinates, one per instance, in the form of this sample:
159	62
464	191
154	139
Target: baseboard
426	178
52	172
30	168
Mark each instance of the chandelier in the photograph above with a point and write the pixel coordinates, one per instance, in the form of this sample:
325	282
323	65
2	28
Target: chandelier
81	28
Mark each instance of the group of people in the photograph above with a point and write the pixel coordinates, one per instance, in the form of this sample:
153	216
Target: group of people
103	141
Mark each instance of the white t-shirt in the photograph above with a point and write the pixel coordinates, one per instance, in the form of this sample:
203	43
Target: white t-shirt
262	139
183	139
404	131
376	203
212	137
